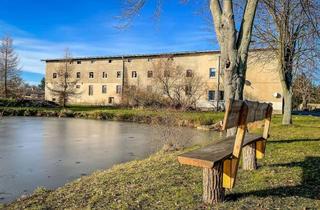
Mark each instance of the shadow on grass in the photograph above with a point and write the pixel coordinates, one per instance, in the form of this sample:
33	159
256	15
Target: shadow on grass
309	187
292	141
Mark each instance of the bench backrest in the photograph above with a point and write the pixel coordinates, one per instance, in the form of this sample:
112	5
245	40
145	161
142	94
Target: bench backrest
242	112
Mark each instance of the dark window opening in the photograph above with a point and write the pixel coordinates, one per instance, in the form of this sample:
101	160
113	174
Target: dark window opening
118	89
54	75
77	86
91	75
189	73
104	89
118	74
212	72
188	90
150	74
111	100
78	62
134	74
211	95
78	75
90	90
104	75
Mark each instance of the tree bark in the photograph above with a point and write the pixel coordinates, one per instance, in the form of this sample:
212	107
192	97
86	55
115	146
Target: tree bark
287	109
213	192
249	157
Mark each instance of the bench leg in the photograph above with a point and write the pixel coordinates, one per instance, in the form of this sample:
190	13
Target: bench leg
213	191
249	157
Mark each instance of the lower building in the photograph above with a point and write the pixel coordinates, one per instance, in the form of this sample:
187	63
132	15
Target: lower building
101	80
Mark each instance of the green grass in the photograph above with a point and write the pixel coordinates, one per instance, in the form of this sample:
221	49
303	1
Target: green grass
288	178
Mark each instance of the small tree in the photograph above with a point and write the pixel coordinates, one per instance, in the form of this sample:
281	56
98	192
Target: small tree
9	70
42	84
65	86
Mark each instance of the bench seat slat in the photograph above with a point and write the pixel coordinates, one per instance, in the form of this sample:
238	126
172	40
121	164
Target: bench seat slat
206	157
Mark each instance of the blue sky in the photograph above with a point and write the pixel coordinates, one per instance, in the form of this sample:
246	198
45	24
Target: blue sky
43	29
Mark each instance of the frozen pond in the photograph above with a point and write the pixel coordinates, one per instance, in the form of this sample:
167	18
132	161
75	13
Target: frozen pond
49	152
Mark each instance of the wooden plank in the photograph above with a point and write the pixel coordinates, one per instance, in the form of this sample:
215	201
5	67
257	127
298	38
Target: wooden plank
261	112
232	114
206	157
227	173
252	108
261	145
260	149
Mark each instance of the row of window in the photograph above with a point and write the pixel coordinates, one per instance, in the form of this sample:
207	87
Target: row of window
110	61
134	74
188	89
103	89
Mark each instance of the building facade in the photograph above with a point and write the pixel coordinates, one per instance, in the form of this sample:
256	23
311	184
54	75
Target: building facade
101	79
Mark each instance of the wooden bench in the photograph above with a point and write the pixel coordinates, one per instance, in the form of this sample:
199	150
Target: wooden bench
220	160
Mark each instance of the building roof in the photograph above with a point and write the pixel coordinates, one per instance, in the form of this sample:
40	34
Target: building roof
142	55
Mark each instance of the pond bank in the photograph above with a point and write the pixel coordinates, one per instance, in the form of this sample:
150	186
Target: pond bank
286	179
161	117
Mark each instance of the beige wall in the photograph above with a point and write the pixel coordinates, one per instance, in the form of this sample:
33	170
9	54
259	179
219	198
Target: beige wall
262	78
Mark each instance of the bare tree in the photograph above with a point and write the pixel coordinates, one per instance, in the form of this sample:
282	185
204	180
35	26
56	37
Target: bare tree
234	46
9	67
182	87
65	86
303	89
289	27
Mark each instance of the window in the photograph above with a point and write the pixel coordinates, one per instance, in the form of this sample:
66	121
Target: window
54	75
78	75
118	74
118	89
134	74
111	100
149	59
189	73
91	75
104	75
212	72
166	73
188	90
104	89
90	90
149	88
110	61
150	74
93	61
78	62
53	99
221	95
211	95
129	60
77	86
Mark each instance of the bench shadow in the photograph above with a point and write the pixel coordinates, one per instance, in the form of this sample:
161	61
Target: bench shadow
292	141
309	187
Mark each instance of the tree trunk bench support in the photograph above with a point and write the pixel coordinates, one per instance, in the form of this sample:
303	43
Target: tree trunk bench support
220	160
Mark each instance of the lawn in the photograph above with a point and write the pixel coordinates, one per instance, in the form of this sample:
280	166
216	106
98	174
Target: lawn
288	178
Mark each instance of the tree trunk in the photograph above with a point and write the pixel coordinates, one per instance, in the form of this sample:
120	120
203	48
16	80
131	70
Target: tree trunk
287	109
249	157
213	192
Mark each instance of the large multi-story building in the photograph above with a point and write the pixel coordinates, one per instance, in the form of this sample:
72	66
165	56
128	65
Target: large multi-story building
101	79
